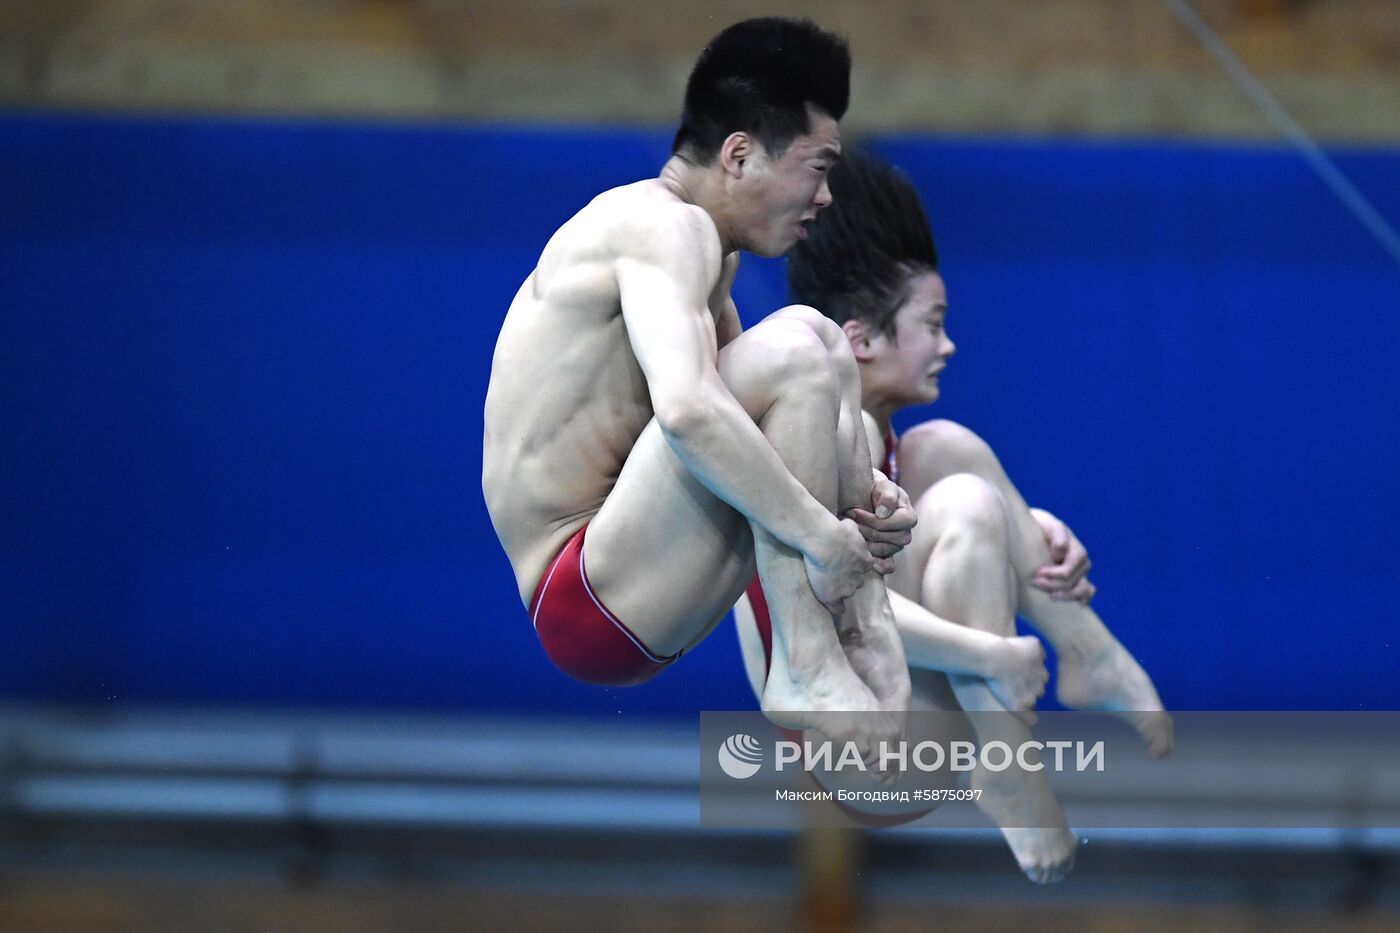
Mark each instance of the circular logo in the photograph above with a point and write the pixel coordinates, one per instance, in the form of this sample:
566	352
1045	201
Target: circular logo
740	756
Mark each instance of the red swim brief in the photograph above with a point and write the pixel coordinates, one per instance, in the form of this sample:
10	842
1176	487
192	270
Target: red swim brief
580	635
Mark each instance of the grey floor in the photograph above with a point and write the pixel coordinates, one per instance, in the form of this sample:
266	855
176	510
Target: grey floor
544	808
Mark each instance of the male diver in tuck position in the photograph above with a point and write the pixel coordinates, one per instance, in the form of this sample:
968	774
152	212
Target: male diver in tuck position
642	454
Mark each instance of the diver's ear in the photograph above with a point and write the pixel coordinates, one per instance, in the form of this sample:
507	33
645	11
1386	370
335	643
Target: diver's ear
734	151
860	339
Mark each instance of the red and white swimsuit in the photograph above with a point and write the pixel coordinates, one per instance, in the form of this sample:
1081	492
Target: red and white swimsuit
581	635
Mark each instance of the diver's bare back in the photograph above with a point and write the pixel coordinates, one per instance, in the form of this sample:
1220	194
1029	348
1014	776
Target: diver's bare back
567	399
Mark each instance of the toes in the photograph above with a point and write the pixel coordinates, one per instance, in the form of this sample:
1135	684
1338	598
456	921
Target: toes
1051	873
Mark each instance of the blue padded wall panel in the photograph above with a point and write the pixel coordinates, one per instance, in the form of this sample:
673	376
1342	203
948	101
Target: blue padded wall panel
242	366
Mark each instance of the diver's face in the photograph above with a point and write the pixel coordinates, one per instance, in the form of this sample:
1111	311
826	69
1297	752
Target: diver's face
784	193
903	370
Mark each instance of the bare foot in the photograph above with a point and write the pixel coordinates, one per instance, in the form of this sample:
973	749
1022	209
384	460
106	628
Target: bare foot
1111	681
1020	675
836	703
1030	819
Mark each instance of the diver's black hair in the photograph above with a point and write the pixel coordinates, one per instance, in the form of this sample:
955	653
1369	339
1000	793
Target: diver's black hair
862	248
759	76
